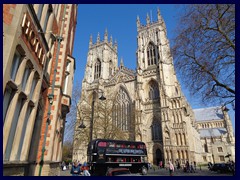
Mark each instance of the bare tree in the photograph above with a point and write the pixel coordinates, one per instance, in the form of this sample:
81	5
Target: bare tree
103	126
72	115
67	151
204	51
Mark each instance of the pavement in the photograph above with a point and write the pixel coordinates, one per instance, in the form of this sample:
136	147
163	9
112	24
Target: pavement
164	172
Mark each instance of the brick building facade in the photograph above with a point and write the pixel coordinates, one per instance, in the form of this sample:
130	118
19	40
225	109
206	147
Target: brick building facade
38	70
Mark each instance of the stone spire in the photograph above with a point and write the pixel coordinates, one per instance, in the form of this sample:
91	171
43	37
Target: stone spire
98	38
121	63
90	41
159	15
115	45
148	19
138	22
160	19
111	41
106	36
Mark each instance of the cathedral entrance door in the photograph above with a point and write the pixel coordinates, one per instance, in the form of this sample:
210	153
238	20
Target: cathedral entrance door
158	156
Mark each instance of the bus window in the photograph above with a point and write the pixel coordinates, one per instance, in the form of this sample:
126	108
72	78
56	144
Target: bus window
133	146
136	159
102	144
119	159
111	144
118	145
110	159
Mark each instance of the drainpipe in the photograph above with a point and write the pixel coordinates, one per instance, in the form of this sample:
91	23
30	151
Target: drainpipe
51	96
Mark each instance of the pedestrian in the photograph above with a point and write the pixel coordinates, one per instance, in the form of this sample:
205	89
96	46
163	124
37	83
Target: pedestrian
85	169
64	166
75	170
232	167
187	166
195	165
171	168
160	164
191	168
178	165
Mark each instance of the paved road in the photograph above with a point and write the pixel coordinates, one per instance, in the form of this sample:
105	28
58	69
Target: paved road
164	172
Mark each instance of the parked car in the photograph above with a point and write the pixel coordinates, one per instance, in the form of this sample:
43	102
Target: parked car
221	167
119	172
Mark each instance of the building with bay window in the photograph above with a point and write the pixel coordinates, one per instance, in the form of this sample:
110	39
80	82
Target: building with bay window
37	67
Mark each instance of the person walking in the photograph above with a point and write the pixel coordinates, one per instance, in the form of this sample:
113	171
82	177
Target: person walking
178	165
195	165
171	168
160	164
191	168
187	166
75	170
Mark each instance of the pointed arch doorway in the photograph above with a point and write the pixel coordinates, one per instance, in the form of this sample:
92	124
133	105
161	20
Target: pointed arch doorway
158	156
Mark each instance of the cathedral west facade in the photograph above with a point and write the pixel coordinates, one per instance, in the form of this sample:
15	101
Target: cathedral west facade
147	104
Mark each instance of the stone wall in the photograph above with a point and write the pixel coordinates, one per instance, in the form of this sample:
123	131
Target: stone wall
16	169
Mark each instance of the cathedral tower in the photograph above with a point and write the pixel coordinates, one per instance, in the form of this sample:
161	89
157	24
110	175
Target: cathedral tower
166	123
102	60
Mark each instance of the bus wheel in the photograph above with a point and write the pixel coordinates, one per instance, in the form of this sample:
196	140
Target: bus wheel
144	171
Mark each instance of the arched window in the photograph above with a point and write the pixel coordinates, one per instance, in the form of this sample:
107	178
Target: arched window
97	71
183	157
39	13
176	139
122	110
8	96
153	90
26	75
156	131
110	68
151	54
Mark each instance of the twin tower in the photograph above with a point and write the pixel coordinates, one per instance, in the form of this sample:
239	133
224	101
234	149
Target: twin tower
148	104
153	47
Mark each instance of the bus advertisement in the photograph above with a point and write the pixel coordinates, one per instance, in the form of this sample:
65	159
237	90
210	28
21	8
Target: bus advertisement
104	153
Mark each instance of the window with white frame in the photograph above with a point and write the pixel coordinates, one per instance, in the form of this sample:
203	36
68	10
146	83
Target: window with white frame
66	83
67	74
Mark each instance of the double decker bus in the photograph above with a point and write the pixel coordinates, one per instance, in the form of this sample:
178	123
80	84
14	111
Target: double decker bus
104	153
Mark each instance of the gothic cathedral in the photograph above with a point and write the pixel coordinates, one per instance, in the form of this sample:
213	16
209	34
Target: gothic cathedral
147	104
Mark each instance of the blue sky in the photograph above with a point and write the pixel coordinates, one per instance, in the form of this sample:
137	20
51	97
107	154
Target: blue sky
120	22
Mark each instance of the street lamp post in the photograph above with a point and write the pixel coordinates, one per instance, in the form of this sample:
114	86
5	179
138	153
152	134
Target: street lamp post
102	98
81	126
